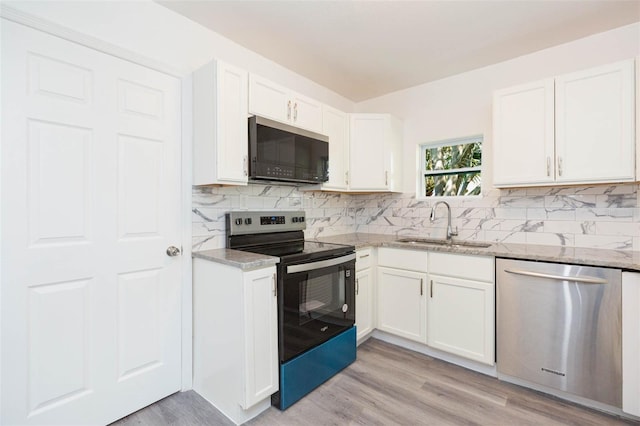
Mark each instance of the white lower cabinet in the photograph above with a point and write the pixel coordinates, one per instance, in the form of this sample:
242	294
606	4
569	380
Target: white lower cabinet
365	319
260	336
364	303
235	341
401	296
452	308
402	303
461	317
631	343
461	305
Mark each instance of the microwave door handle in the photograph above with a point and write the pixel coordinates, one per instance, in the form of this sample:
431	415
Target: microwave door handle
320	264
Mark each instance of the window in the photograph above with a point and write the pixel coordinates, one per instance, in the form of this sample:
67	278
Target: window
452	167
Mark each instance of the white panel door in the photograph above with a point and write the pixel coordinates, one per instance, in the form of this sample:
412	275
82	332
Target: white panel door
261	335
461	317
268	99
233	134
631	343
368	160
90	202
306	113
402	303
335	124
364	302
523	134
595	122
220	132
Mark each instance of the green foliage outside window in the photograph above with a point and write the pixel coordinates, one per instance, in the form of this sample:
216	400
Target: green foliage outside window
453	169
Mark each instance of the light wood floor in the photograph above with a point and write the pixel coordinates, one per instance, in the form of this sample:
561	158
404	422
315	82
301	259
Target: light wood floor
388	385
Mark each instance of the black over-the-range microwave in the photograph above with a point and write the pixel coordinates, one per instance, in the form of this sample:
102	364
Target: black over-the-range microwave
279	152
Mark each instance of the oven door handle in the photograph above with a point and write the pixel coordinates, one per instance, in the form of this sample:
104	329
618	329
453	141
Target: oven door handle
320	264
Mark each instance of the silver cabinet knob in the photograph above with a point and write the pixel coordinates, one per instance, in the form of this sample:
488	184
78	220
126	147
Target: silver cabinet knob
173	251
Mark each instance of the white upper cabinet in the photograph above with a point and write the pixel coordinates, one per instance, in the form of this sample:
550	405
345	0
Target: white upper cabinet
585	136
375	153
270	100
523	142
335	124
306	112
220	132
595	124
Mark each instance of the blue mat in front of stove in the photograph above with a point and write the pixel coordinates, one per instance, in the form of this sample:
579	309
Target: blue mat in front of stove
306	372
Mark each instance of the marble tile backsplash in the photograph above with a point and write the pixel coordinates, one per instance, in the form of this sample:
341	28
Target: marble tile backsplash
597	216
327	213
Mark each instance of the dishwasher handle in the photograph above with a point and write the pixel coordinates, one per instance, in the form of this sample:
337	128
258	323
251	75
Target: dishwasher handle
577	278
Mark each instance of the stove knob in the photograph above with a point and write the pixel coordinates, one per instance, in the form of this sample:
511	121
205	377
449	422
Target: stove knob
238	221
294	219
301	219
247	221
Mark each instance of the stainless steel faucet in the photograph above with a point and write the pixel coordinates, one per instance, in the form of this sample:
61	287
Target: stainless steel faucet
450	231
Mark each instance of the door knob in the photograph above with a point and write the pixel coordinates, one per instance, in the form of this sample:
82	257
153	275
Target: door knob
173	251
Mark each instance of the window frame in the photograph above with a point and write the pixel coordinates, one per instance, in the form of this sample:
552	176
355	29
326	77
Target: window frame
423	172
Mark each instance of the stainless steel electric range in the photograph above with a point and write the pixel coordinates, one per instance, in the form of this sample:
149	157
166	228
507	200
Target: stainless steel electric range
316	298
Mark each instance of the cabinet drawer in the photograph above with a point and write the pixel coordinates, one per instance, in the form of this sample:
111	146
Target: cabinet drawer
363	259
412	260
478	268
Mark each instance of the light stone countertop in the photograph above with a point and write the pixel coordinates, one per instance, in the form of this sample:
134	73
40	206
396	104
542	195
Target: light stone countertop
629	260
239	259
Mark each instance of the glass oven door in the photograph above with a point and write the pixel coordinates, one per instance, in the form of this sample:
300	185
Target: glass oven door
317	302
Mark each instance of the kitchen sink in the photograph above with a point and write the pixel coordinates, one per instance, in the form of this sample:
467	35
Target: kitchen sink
441	242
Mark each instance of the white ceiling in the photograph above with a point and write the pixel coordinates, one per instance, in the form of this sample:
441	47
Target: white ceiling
364	49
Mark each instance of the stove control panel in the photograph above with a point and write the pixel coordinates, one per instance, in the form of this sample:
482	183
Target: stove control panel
257	222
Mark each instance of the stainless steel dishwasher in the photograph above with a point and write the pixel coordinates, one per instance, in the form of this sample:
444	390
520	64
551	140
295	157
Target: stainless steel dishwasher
560	326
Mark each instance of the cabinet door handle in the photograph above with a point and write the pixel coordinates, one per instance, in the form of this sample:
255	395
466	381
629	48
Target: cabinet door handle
346	178
357	286
295	111
275	285
363	256
431	289
420	286
559	166
246	165
548	166
386	178
289	110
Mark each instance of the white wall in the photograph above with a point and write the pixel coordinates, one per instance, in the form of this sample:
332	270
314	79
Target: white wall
164	36
461	105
